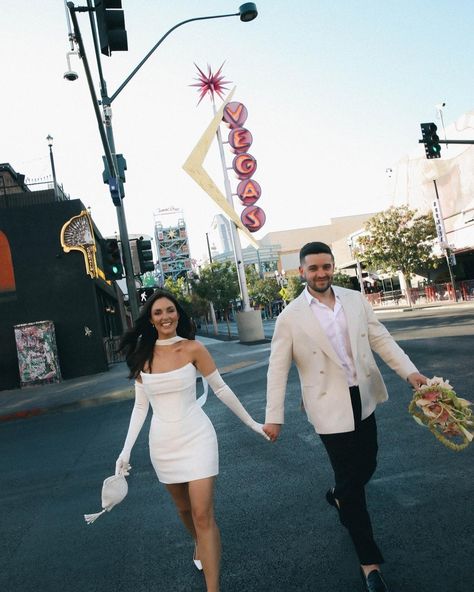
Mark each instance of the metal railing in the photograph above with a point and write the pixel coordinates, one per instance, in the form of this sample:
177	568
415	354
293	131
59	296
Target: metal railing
432	293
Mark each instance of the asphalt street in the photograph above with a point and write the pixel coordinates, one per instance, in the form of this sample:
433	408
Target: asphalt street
278	532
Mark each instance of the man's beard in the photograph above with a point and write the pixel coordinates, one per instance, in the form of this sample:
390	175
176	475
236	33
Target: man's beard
320	289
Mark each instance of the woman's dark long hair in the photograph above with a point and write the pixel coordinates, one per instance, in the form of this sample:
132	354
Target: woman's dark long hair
139	341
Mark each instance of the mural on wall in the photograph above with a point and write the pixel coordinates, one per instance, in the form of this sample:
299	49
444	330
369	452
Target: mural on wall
37	353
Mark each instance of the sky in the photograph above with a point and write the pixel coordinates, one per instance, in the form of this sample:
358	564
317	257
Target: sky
335	93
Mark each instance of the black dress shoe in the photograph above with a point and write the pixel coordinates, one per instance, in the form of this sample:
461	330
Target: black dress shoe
331	500
374	582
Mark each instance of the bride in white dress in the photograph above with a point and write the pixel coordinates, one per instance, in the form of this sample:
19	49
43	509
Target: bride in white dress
163	357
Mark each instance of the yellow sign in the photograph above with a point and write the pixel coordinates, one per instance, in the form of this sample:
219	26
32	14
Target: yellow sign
78	235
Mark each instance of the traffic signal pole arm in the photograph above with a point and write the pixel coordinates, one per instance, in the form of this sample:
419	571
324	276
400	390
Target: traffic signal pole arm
450	142
155	47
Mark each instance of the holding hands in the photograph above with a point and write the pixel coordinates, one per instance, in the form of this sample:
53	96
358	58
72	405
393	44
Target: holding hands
259	428
272	431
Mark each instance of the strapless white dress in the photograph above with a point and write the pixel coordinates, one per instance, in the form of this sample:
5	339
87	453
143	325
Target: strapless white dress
183	442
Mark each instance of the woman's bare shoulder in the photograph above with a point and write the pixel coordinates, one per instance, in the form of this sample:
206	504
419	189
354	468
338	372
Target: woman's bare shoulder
192	345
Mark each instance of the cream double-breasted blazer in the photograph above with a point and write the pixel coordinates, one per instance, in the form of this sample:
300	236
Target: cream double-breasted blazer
298	337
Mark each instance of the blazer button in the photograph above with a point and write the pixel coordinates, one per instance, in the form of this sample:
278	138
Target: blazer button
323	393
321	371
362	334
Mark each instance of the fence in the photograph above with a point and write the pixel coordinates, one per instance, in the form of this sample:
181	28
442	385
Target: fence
111	345
424	295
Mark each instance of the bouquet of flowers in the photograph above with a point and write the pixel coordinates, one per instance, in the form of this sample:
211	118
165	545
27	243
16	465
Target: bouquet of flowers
436	406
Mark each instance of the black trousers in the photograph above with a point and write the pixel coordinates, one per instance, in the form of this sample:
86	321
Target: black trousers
353	457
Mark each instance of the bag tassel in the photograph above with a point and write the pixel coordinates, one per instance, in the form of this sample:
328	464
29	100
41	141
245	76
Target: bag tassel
91	518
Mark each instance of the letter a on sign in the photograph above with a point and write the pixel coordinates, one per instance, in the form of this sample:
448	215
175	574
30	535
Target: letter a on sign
249	192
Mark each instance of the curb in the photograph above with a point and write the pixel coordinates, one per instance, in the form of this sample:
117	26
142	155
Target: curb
116	397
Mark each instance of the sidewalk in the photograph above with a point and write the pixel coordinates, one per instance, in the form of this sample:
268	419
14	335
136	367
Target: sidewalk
112	386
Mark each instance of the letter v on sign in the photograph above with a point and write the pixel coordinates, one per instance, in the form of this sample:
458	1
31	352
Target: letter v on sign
194	167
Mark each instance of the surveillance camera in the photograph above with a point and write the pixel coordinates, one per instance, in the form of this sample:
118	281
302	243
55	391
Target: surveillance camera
71	75
440	105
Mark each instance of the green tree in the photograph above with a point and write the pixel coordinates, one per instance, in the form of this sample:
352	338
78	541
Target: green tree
293	288
264	291
218	283
177	287
398	240
342	279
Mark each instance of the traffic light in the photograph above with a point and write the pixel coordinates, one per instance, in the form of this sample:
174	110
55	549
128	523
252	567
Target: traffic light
145	255
111	26
430	140
112	259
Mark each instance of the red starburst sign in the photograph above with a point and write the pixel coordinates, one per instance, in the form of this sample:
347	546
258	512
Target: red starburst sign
211	83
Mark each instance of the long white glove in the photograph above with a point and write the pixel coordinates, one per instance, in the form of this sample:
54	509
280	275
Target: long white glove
227	396
137	419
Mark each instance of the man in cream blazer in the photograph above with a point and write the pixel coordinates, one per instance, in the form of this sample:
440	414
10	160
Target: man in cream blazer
330	333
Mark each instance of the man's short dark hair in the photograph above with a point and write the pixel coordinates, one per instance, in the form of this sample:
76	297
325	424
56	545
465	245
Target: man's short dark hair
314	248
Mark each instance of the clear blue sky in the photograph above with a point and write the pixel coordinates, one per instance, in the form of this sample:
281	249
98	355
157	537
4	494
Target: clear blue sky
335	93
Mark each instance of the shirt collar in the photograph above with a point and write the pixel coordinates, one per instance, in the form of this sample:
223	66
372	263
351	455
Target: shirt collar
310	298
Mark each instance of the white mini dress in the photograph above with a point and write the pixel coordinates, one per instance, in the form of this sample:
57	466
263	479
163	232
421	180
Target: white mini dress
183	442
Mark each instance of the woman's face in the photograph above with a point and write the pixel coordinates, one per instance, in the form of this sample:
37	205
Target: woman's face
164	317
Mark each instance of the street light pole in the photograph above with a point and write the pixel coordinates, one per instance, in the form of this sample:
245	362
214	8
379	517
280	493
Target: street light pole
49	139
247	12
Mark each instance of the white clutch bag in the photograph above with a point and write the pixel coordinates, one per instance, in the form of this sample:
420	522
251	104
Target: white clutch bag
114	490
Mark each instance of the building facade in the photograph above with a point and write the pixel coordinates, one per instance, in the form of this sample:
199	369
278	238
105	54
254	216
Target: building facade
171	236
40	282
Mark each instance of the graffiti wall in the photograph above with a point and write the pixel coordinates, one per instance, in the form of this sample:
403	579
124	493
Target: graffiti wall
37	353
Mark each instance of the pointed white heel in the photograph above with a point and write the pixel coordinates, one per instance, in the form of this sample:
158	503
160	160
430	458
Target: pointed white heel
196	562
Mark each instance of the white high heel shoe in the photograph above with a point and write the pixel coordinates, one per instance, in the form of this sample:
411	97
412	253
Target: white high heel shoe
196	562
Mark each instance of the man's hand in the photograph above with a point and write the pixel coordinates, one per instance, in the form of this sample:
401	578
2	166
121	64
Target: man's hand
272	430
416	379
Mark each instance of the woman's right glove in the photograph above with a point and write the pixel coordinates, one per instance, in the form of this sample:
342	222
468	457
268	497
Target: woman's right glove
229	398
258	427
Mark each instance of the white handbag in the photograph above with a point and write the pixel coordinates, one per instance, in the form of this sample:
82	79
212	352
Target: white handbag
114	490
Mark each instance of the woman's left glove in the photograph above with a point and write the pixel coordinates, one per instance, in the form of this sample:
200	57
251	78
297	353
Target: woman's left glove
122	466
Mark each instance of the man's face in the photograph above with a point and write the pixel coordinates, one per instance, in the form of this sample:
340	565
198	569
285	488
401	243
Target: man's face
318	271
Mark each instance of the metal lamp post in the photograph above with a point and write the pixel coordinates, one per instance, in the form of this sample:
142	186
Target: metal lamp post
247	12
49	139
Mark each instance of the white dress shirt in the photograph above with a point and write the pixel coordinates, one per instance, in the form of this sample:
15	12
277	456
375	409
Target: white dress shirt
334	325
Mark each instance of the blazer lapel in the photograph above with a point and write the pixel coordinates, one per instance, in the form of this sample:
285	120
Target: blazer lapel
349	311
313	329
